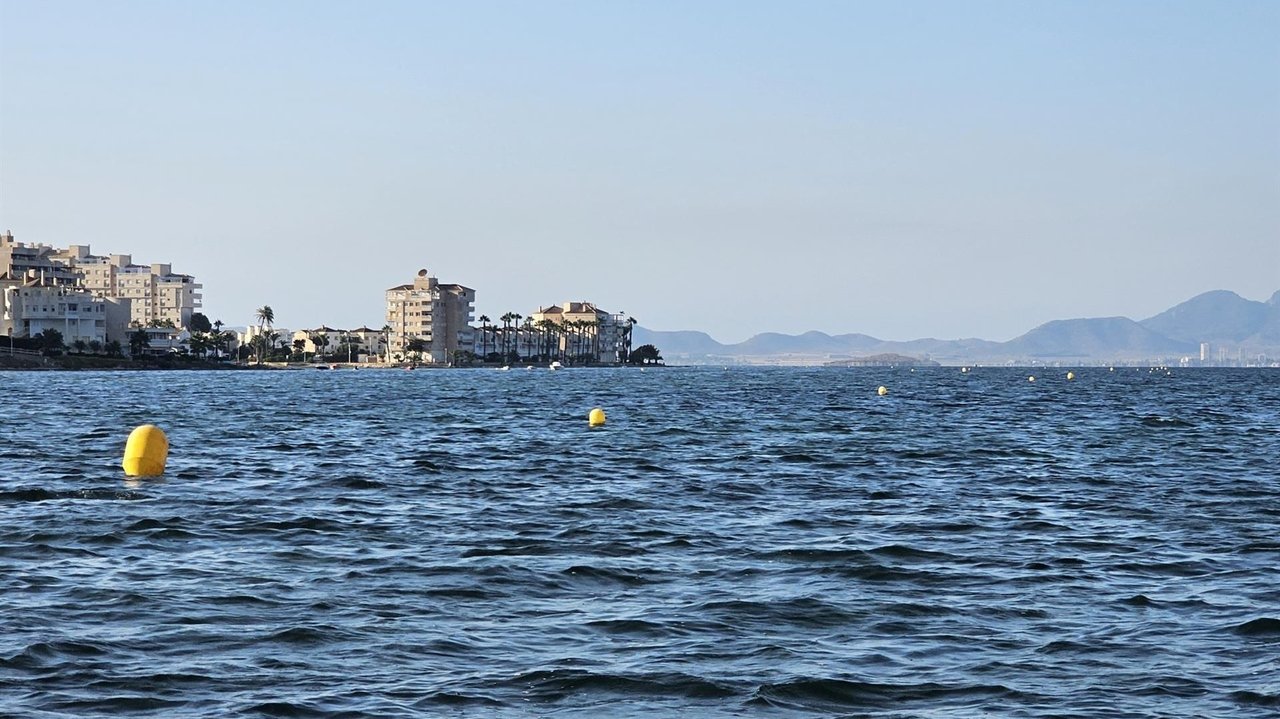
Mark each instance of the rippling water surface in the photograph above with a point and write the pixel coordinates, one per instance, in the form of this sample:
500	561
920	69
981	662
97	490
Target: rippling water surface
774	542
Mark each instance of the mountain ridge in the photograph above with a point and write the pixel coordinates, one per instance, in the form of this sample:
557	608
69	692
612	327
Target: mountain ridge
1221	318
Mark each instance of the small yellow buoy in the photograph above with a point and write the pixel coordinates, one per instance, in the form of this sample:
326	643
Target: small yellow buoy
146	452
882	390
1071	376
596	417
1032	378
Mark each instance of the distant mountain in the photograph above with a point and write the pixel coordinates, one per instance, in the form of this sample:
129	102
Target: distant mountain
1099	337
1218	316
680	342
1221	318
808	343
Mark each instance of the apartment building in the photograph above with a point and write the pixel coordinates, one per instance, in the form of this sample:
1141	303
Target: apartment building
31	306
437	314
587	330
20	260
157	293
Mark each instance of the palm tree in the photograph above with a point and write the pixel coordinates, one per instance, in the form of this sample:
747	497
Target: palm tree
506	327
139	340
527	333
484	337
321	341
386	341
217	339
80	346
199	343
266	316
592	348
515	324
626	339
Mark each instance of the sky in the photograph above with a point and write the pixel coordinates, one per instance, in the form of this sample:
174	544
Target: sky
901	169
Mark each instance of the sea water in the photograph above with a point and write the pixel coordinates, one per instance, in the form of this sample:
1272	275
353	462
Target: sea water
740	542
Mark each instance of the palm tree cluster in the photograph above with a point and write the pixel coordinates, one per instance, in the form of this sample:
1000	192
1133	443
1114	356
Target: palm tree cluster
570	342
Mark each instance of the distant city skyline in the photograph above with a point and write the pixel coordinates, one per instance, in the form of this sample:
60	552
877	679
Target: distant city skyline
905	170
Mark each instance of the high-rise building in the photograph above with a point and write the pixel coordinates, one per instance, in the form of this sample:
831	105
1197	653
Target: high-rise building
158	294
429	318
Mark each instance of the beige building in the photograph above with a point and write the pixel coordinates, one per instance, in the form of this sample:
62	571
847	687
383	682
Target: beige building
438	315
156	292
25	261
370	343
584	332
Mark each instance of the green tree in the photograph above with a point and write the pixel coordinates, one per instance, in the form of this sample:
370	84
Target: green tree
265	316
415	348
200	343
95	346
515	344
321	341
199	323
645	354
506	328
80	346
484	336
114	348
139	341
50	341
626	339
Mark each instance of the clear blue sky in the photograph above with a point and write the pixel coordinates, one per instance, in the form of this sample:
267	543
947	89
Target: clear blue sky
904	169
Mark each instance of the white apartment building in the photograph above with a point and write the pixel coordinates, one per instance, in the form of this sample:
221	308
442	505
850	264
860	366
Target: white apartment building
29	308
438	315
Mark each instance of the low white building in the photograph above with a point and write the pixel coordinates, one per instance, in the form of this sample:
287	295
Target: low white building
29	308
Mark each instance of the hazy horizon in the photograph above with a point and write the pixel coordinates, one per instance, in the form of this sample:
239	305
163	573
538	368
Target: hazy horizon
920	169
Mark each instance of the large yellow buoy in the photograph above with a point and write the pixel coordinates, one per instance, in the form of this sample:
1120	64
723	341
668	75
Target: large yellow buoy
1071	376
882	390
596	417
146	452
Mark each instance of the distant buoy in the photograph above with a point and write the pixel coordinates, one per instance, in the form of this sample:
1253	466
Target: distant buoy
146	452
882	390
596	417
1071	376
1032	378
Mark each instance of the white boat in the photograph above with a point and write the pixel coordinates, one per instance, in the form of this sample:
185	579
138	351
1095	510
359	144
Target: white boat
555	365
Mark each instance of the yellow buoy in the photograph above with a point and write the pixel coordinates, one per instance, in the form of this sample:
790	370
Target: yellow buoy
1071	376
1032	378
146	452
882	390
596	417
